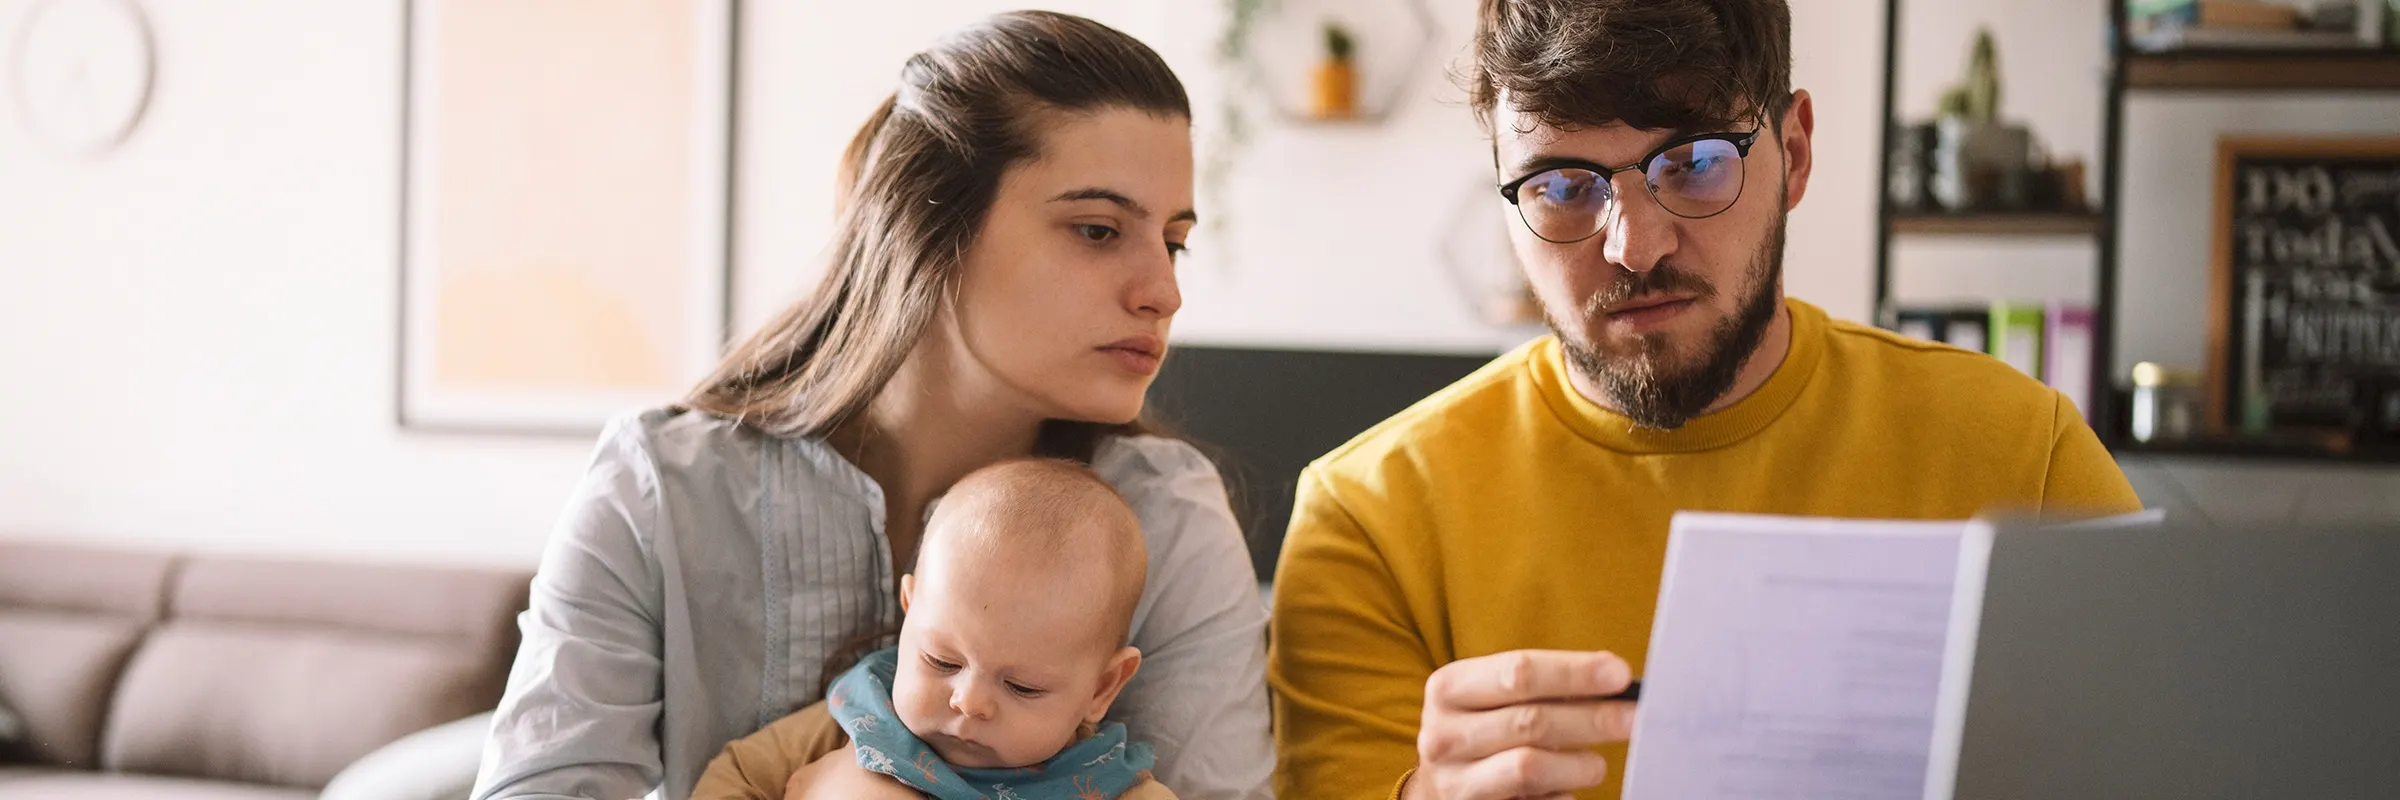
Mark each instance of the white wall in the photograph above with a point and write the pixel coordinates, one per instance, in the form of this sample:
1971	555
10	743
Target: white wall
196	331
1340	229
1334	231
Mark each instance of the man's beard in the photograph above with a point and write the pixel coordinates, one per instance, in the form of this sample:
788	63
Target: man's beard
1644	384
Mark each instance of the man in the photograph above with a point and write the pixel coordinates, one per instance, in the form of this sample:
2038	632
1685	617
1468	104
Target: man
1456	580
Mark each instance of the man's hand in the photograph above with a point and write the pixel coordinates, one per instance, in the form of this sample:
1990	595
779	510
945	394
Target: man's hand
837	776
1516	724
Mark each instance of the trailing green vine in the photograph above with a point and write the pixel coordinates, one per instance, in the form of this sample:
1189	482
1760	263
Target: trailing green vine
1233	95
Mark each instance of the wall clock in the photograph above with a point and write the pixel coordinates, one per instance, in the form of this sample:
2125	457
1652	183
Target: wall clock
83	70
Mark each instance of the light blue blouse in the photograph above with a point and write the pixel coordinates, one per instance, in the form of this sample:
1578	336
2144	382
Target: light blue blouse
704	572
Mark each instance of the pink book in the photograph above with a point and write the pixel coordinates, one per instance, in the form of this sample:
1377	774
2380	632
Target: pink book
2067	358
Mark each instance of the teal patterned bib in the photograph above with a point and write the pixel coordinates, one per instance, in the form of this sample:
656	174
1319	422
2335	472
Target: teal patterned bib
1098	768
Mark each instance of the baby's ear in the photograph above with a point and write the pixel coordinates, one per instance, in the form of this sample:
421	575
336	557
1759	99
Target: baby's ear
1121	667
908	588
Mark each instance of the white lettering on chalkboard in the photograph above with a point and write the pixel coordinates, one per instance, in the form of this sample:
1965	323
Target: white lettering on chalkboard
2344	335
2315	252
2361	188
2288	388
2308	190
2366	246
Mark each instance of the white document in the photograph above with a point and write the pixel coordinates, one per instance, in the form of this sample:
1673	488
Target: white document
1808	658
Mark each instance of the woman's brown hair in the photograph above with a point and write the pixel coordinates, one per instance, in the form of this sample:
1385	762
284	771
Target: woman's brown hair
915	186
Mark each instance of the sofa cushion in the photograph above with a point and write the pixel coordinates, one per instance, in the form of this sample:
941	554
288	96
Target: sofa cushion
68	578
58	671
54	784
476	606
284	673
281	706
69	616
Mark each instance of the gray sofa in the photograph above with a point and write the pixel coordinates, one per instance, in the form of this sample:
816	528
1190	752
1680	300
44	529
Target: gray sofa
166	677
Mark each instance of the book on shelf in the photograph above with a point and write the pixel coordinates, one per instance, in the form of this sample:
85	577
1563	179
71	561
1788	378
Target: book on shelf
2067	352
2240	39
1968	328
2051	341
1920	323
1963	327
2016	335
2245	14
2169	25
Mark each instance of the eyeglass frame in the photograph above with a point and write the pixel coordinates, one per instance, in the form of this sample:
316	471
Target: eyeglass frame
1741	141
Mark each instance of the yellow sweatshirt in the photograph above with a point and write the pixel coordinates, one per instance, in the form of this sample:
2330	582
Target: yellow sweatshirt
1507	511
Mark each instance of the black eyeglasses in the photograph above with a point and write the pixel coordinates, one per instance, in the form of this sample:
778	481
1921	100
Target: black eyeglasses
1694	177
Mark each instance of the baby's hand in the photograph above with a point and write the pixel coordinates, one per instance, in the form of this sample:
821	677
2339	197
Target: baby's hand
837	776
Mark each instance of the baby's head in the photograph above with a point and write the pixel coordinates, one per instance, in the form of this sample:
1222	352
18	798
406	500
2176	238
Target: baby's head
1025	585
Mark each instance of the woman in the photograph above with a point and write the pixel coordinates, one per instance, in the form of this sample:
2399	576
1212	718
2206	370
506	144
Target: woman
1000	284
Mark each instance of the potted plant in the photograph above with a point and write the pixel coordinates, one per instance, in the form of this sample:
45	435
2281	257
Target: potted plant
1335	92
1979	162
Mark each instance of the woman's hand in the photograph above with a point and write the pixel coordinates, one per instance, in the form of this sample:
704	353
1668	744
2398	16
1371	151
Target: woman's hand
837	776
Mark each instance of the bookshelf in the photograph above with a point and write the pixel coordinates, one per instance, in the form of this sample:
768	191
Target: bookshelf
2130	72
2270	451
2029	223
2306	70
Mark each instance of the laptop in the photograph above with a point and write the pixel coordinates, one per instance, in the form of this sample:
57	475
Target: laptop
2186	662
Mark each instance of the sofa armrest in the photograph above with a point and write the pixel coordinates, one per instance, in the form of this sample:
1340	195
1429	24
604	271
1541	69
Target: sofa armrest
12	729
437	763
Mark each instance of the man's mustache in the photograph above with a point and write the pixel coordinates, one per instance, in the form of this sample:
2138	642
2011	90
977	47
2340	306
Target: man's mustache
1662	279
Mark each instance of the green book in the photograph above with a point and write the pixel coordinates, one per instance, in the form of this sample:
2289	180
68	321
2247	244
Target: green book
2137	9
2016	335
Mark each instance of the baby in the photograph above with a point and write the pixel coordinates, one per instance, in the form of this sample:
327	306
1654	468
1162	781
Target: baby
1011	651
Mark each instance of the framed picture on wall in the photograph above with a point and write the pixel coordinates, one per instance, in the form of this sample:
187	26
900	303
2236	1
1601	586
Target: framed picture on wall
565	216
2305	326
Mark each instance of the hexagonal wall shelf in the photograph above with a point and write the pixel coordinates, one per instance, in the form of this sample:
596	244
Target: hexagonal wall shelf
1391	43
1482	267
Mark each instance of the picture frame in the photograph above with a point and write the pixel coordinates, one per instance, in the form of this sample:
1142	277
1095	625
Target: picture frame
2304	311
567	193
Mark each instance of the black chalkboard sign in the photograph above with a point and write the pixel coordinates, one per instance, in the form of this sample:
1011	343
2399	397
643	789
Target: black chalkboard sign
2306	328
